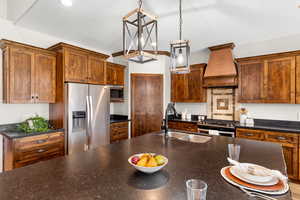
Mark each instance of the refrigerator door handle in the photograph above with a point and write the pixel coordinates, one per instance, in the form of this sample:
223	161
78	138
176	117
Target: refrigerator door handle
88	122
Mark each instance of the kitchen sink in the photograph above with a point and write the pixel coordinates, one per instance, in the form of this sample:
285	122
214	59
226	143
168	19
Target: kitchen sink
188	137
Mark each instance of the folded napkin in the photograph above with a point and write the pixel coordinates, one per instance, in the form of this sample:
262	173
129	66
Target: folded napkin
258	171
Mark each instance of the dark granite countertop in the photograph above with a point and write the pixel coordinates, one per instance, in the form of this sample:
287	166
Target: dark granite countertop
10	131
105	173
273	125
262	124
118	118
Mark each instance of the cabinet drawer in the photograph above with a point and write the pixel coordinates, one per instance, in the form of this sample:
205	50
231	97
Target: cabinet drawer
250	134
283	138
118	131
39	141
184	126
40	153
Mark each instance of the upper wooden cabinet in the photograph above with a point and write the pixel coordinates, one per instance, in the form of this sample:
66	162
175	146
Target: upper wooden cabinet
28	73
80	65
114	74
189	87
267	79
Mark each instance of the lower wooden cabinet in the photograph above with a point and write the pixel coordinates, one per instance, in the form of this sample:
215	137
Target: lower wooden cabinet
118	131
21	152
183	126
289	142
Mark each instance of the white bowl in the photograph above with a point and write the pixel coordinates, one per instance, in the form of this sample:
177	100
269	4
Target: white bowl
148	170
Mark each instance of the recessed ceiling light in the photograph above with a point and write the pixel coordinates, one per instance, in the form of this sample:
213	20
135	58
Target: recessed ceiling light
67	3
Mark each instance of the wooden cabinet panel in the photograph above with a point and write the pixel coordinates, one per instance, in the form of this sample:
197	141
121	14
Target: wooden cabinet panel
28	73
268	80
279	80
250	134
45	81
291	159
29	150
298	79
114	74
96	70
76	66
251	82
21	75
118	131
183	126
188	87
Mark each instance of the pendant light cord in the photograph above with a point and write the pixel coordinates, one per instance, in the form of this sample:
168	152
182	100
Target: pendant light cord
180	19
140	3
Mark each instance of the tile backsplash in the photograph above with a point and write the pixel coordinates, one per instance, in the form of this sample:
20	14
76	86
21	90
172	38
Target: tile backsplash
222	104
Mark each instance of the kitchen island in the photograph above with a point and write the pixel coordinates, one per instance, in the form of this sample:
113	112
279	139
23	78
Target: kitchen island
105	173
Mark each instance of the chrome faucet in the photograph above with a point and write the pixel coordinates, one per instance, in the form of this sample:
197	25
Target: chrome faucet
170	108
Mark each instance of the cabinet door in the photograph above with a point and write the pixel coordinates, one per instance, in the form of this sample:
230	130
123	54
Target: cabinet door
251	82
21	76
110	74
291	159
250	134
279	80
298	80
194	91
96	70
119	75
45	78
178	87
76	69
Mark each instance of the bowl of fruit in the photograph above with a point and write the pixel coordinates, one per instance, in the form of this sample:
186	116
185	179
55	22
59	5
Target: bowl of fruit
148	162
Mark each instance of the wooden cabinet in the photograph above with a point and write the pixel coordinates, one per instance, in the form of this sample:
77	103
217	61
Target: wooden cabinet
96	70
188	87
29	150
29	74
118	131
289	142
267	79
183	126
114	74
298	79
76	66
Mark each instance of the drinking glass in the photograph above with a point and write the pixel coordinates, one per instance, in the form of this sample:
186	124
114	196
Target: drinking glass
234	151
196	189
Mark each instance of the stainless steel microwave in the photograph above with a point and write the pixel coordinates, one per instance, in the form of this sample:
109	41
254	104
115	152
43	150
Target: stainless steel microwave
117	94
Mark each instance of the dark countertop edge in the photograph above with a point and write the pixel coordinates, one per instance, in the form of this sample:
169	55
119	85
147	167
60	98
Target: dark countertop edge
269	128
119	120
266	128
14	135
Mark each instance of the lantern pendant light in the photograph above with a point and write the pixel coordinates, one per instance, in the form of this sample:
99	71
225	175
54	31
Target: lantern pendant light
180	50
140	35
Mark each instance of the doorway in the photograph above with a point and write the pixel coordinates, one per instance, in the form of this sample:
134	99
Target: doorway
146	103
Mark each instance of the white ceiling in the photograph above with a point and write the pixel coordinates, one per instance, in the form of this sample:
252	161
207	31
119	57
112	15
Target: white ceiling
98	23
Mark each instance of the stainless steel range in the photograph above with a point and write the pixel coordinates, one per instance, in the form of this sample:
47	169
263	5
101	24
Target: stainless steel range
217	127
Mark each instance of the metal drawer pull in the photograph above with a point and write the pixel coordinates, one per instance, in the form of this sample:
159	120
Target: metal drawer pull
41	150
249	134
41	141
281	138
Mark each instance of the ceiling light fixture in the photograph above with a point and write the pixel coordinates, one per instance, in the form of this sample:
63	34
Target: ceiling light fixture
180	50
140	35
67	3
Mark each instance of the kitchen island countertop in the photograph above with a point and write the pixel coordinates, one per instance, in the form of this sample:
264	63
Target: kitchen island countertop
105	173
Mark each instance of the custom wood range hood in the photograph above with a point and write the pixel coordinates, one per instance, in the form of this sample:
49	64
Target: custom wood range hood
221	70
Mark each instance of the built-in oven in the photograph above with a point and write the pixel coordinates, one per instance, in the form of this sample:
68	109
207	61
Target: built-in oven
117	94
216	127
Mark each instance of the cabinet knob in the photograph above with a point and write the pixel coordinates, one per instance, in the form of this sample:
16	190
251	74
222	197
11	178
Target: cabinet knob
37	97
32	97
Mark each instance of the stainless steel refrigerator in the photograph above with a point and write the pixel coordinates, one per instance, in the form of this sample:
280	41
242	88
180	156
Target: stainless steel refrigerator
87	116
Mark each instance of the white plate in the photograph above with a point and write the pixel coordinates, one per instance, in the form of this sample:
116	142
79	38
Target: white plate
279	192
148	170
254	172
256	180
